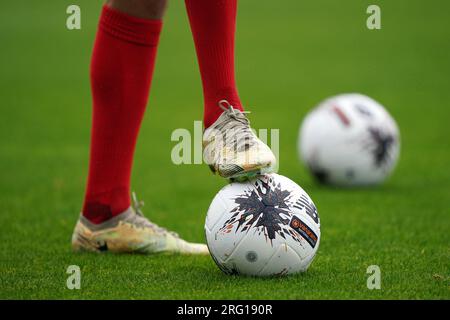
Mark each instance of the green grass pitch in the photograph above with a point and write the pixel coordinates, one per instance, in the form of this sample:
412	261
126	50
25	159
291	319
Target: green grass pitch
290	55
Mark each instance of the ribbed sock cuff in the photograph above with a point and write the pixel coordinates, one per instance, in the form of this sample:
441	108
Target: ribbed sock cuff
132	29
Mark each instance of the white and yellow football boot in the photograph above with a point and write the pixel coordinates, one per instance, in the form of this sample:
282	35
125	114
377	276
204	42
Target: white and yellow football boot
130	232
232	150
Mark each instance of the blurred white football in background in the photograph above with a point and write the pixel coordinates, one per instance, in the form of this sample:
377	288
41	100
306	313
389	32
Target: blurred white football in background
349	140
266	226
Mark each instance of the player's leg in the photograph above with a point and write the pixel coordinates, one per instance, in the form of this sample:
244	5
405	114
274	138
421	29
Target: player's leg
240	154
121	72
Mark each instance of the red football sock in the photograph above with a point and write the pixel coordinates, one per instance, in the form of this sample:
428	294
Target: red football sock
121	72
213	24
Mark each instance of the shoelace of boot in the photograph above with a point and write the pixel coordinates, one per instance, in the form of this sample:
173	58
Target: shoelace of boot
137	206
241	126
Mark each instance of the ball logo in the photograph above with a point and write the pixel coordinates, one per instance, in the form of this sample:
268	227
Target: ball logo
305	231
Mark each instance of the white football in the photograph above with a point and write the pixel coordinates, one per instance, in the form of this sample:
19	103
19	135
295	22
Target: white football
349	140
267	226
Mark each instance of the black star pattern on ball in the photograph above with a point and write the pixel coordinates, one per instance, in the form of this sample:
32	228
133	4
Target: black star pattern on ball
265	208
380	146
